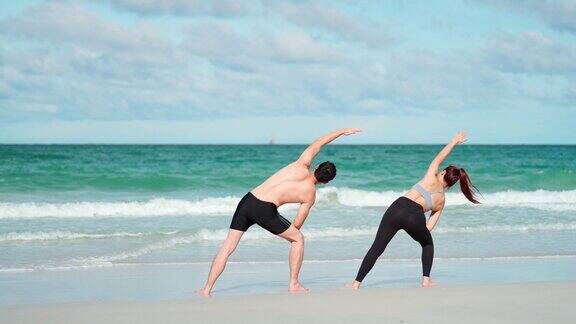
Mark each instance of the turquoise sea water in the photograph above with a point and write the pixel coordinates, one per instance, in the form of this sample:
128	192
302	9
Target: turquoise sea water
78	207
67	206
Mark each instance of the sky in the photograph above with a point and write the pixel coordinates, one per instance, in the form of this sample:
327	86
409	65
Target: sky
226	71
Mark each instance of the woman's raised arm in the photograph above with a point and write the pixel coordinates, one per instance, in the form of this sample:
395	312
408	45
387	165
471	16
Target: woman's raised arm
459	138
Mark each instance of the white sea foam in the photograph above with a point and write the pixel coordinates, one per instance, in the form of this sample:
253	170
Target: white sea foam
259	234
343	232
67	235
206	235
518	228
311	234
53	267
553	200
154	207
331	196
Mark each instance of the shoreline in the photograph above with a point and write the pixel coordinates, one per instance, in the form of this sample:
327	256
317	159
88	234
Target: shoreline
152	283
535	302
277	262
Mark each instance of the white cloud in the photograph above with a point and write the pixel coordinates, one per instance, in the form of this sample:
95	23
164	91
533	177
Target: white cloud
560	14
533	52
70	57
220	42
330	19
93	67
68	22
39	107
307	14
188	7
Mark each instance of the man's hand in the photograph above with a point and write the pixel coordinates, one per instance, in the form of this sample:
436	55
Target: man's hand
303	212
350	131
310	153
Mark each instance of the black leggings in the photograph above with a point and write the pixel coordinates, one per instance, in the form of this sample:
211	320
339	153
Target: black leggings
402	214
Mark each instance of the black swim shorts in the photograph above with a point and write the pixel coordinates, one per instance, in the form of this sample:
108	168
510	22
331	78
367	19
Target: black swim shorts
252	210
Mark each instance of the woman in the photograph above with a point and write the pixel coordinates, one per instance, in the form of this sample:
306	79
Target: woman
407	212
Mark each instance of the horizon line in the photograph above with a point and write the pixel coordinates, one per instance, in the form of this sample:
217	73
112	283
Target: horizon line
283	144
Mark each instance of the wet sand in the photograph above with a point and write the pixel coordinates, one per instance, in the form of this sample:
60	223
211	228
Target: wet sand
550	302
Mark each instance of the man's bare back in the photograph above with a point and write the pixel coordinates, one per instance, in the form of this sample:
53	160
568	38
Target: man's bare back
291	184
295	183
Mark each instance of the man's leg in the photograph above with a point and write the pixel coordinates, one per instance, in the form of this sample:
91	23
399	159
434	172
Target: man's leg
219	262
296	239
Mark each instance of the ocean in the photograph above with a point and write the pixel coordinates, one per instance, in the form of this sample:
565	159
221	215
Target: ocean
71	207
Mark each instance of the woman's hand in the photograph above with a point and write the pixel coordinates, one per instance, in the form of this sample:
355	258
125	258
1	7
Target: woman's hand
432	171
460	138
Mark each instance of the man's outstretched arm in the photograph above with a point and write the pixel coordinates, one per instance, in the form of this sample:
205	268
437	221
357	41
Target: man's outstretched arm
303	212
311	151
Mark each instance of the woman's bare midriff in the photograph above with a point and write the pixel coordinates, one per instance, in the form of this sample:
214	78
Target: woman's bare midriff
416	197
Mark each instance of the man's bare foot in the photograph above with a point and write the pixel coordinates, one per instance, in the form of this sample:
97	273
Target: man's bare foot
354	285
204	293
297	288
427	283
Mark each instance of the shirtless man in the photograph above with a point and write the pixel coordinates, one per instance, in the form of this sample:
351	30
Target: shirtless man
292	184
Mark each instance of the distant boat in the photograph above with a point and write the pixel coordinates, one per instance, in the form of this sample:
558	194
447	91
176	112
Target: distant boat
271	141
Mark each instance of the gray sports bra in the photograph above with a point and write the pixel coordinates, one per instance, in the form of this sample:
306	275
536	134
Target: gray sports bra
427	198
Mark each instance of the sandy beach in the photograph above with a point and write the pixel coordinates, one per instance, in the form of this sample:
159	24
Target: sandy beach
156	152
550	302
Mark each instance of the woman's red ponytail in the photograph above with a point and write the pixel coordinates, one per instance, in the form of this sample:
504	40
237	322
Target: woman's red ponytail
468	189
453	174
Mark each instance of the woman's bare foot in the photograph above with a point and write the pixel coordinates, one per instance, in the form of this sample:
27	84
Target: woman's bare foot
204	293
427	283
297	288
355	285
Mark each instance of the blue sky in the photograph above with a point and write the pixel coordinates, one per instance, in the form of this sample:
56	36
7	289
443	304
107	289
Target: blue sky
224	71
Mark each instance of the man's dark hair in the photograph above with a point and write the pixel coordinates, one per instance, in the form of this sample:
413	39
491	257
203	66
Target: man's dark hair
325	172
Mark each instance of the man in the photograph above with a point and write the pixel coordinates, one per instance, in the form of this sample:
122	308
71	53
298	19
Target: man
292	184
